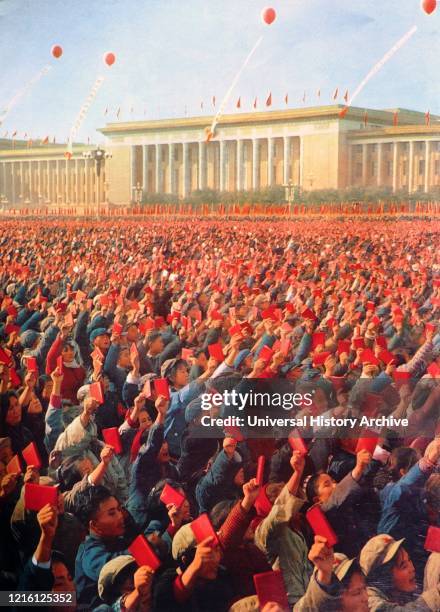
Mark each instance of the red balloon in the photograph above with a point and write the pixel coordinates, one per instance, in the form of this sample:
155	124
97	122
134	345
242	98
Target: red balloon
268	15
57	51
109	58
429	6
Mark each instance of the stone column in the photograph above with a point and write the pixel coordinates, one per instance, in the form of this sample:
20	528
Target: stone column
411	166
286	159
427	165
202	166
270	156
379	164
222	161
185	168
364	164
239	165
145	168
158	173
255	163
395	151
171	182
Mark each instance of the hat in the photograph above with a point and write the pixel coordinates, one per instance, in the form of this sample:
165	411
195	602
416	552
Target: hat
342	565
169	365
183	540
28	338
99	331
378	551
82	393
109	575
241	357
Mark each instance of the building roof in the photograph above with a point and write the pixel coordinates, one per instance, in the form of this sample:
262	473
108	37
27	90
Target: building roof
384	117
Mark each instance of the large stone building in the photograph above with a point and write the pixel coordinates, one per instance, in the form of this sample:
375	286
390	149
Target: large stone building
313	148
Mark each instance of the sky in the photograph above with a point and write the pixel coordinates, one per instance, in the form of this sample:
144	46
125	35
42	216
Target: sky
173	54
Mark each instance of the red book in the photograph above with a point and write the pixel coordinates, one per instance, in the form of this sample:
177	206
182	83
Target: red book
371	306
266	353
432	542
202	528
386	356
5	357
343	346
235	329
434	370
358	343
37	496
14	466
270	587
171	496
117	329
60	363
368	442
111	436
215	315
429	327
216	351
187	353
260	470
31	364
80	296
32	456
162	387
296	443
320	525
308	314
96	392
401	377
320	358
141	550
368	356
382	342
317	339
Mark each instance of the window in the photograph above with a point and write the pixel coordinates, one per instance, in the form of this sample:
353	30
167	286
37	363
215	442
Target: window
421	166
404	168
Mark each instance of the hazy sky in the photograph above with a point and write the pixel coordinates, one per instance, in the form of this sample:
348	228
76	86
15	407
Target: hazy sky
172	54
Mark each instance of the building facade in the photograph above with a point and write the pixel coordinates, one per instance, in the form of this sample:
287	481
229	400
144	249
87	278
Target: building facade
312	148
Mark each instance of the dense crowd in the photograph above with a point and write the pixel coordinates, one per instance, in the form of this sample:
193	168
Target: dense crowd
113	335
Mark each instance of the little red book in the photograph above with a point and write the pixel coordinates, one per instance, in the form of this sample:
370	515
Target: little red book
171	496
143	553
96	392
37	496
432	542
162	387
270	587
111	436
320	525
296	443
14	465
32	456
202	529
216	351
260	470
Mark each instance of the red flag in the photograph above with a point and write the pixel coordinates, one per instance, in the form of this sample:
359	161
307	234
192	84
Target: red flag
213	101
428	118
395	118
255	103
286	99
238	103
365	119
346	96
335	95
269	99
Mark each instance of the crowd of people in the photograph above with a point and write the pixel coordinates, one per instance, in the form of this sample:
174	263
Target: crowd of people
112	332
